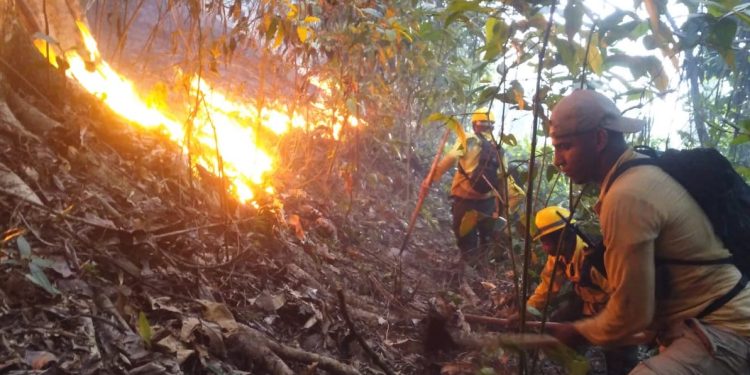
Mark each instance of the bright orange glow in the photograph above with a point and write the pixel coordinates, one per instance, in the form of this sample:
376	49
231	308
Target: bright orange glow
219	123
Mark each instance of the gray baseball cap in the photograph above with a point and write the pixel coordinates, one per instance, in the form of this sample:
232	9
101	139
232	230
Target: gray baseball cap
585	110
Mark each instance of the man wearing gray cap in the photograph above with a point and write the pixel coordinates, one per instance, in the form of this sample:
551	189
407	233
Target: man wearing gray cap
646	215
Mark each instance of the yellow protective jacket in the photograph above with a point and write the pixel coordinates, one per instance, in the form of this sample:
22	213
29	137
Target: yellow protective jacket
587	281
469	158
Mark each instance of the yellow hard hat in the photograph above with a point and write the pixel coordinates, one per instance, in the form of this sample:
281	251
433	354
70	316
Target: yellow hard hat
548	221
482	114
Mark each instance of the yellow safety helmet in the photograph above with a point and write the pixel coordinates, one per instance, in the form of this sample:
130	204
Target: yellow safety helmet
482	114
548	221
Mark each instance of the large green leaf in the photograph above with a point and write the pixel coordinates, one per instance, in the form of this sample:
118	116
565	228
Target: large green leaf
496	33
567	51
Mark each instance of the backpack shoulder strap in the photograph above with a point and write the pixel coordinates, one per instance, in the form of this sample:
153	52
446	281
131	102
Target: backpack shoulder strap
721	301
624	167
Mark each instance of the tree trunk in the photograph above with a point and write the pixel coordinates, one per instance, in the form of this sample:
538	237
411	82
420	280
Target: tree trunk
699	112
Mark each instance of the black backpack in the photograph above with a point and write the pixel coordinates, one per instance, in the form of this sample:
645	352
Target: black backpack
486	170
723	195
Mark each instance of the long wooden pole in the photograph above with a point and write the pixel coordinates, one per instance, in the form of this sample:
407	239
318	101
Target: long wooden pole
424	190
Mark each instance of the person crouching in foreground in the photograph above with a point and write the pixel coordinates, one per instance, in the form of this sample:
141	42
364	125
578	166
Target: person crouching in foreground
645	214
582	267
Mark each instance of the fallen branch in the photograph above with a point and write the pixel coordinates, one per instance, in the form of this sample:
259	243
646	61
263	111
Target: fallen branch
10	124
248	347
514	340
502	324
362	342
31	117
325	363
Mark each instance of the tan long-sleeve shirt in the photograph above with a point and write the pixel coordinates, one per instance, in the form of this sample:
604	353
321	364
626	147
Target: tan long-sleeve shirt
645	214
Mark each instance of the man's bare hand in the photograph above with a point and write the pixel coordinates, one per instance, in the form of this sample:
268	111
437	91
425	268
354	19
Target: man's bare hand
566	333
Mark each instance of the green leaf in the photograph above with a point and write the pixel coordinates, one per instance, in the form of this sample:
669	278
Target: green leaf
745	124
574	363
573	18
144	329
533	311
458	129
457	8
496	33
567	51
434	117
489	29
627	29
721	36
594	57
42	263
468	222
744	172
23	247
740	139
486	94
509	139
38	277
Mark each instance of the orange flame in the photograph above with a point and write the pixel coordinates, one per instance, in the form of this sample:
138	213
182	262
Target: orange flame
219	123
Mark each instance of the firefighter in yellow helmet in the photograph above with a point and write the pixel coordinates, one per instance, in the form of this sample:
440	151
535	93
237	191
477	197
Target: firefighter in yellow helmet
478	187
583	267
588	281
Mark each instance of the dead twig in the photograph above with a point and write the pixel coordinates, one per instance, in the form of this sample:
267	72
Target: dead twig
375	358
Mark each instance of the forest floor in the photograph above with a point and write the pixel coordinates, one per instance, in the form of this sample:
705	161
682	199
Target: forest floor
115	259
